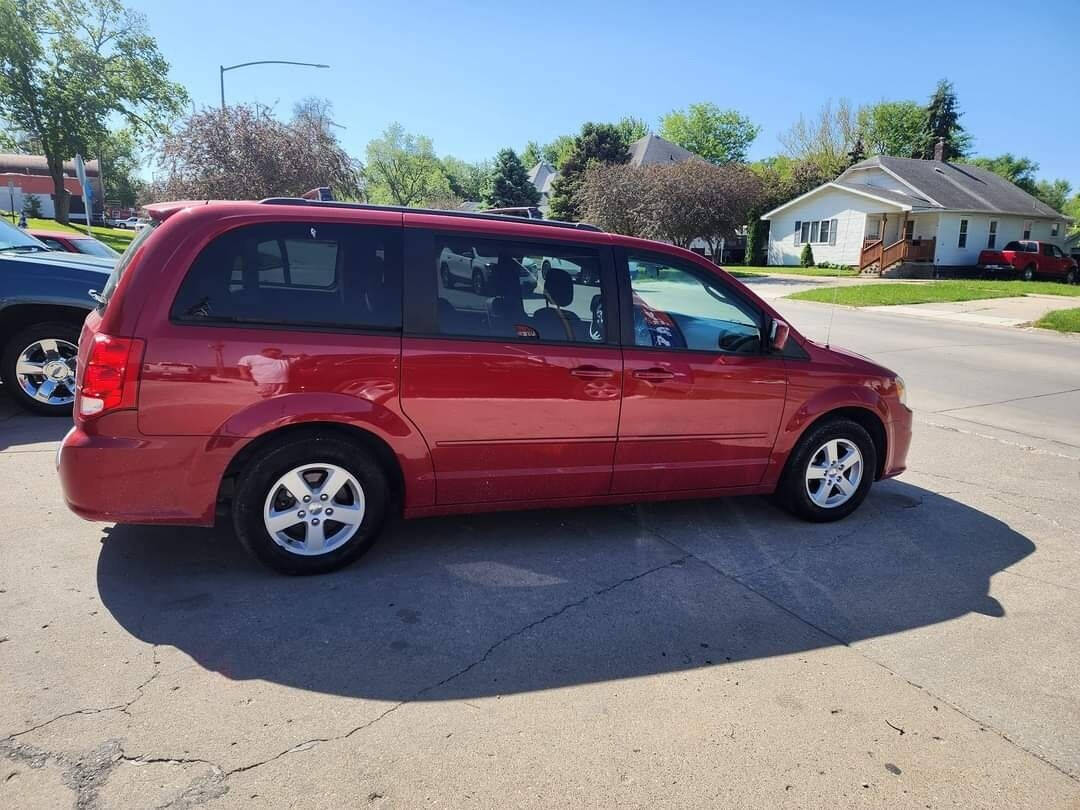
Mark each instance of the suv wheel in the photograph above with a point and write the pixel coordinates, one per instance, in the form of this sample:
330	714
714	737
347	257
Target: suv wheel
38	367
830	472
447	279
477	282
1071	277
1029	273
310	506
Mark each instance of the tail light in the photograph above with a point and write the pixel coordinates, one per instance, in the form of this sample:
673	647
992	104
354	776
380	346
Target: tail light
109	378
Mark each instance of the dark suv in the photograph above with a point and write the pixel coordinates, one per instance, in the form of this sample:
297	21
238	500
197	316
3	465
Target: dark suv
44	298
311	368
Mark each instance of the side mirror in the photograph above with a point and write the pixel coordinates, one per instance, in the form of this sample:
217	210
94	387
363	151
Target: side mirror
778	335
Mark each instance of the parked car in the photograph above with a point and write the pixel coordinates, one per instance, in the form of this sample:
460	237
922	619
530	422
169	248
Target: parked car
132	223
69	242
43	302
462	265
1031	260
296	366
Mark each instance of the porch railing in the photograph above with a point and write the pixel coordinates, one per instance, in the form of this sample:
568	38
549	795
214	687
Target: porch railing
905	250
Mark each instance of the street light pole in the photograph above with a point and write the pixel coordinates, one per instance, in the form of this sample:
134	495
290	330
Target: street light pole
223	68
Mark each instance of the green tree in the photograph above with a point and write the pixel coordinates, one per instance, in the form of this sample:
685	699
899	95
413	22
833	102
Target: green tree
118	153
558	150
402	169
69	66
943	121
1071	209
510	183
1014	168
597	143
1054	193
719	136
468	181
895	128
806	258
532	154
632	128
825	142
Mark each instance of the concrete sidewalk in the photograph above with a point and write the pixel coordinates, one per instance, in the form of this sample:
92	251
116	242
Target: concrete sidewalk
988	312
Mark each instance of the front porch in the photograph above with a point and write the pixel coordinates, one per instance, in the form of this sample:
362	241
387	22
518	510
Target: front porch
893	239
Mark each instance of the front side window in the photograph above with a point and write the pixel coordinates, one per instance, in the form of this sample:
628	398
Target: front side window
511	290
300	275
962	242
676	307
991	240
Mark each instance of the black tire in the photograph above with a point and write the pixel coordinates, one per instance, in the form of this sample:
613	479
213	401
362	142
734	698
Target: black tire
262	473
447	278
1071	277
478	282
1029	273
792	493
57	330
545	268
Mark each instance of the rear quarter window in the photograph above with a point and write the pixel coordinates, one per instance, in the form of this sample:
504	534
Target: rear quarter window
312	274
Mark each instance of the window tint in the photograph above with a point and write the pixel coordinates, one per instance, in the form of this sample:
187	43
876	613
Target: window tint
1014	246
304	275
1048	250
675	307
52	244
493	288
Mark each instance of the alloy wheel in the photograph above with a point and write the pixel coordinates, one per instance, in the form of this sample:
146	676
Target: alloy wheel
834	473
314	509
45	371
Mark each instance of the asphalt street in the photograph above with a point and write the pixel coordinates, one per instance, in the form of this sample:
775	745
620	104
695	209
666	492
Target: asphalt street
925	652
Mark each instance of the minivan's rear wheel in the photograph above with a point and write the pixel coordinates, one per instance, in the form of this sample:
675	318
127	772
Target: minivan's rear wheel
38	367
311	505
830	471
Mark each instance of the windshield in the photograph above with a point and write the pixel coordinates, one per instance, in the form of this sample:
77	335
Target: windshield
125	260
92	247
11	238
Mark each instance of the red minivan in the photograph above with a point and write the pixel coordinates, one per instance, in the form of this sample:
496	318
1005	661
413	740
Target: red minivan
312	368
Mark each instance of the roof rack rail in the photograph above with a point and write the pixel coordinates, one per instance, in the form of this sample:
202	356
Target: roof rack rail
551	223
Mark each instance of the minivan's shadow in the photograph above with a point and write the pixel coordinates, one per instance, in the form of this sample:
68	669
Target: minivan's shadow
495	604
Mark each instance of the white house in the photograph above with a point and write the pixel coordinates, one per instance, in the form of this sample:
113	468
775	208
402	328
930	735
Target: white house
891	213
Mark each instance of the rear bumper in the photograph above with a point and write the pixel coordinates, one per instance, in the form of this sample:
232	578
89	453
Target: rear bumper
172	480
899	440
997	268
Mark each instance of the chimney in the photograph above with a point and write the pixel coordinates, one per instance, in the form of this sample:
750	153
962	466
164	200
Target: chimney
939	149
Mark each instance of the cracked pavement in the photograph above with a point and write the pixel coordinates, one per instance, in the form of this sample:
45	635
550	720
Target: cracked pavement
921	653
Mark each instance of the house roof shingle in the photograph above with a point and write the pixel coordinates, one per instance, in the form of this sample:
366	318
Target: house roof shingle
957	186
652	149
912	199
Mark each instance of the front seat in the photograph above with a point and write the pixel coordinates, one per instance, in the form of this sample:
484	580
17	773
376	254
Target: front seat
506	309
553	322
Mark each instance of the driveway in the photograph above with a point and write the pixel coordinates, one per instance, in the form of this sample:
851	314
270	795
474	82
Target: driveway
923	652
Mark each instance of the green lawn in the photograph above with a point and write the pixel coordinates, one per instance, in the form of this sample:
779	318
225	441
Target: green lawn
116	238
1062	320
883	293
757	270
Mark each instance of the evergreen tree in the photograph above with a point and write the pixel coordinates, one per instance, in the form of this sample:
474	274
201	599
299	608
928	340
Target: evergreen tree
510	183
943	121
597	143
806	258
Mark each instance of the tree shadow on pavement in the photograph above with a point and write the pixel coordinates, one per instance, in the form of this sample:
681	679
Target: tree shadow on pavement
514	602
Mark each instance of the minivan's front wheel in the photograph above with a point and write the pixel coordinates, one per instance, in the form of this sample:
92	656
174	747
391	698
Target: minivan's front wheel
38	367
310	506
830	471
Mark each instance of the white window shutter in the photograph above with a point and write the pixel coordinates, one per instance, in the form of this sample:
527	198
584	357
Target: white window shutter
832	232
798	231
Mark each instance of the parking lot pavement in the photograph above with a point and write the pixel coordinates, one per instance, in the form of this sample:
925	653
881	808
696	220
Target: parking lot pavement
922	652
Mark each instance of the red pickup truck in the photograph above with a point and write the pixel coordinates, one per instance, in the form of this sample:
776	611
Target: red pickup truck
1031	260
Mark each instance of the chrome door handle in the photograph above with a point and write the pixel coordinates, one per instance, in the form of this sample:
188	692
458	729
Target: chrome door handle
653	374
592	372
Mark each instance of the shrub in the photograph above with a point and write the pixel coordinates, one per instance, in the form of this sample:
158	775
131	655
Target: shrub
807	257
32	206
823	265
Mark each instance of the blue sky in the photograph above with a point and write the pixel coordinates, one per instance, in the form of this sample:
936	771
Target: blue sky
477	76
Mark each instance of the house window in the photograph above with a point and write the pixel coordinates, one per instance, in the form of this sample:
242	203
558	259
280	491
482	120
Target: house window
814	231
825	231
798	232
806	231
909	229
1054	229
1027	230
991	240
963	234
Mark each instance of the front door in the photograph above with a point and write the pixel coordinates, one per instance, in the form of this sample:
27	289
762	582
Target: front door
515	382
701	400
